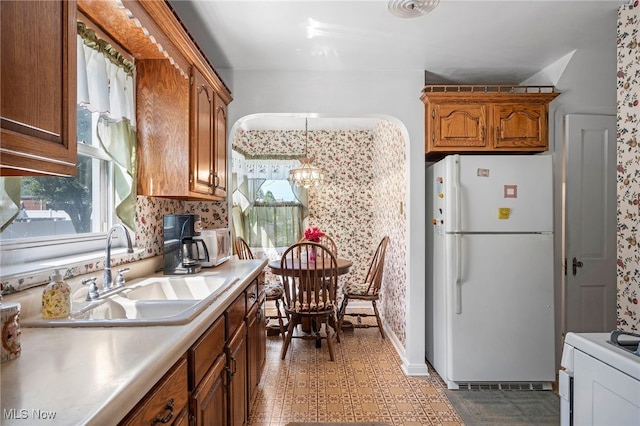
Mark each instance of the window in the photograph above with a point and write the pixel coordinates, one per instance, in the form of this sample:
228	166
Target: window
275	218
55	206
267	211
74	213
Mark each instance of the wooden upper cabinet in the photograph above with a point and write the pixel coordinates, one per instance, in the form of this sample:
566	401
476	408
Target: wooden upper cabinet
220	151
202	135
458	125
521	126
208	139
181	102
486	119
38	86
162	102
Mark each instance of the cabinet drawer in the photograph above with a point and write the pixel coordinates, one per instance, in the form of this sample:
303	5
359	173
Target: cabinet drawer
235	315
252	293
165	401
204	352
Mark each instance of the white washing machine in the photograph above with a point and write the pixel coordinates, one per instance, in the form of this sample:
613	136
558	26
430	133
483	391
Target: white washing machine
599	383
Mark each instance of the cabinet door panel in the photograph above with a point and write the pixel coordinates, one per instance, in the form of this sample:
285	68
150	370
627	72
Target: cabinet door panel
237	353
162	102
202	167
209	401
38	86
220	162
253	351
459	125
520	126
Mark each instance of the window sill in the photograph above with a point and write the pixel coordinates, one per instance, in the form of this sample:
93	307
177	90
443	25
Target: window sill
21	276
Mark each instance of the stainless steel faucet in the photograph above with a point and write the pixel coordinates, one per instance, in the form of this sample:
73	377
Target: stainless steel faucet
107	282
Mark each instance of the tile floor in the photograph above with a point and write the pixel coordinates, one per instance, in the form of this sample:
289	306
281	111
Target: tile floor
364	384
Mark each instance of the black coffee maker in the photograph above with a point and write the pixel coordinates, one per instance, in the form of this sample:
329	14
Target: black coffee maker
183	253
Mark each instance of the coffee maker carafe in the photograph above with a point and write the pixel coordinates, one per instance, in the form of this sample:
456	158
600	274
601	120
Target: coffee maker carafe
183	253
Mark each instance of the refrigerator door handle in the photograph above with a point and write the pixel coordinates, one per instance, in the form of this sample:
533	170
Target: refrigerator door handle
458	193
458	282
458	226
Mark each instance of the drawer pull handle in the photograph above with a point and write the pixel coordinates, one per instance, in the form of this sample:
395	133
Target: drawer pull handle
165	419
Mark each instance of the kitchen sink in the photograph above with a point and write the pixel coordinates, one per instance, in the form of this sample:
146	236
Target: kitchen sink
175	288
165	300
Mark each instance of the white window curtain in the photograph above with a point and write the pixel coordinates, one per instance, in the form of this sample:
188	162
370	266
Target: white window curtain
108	88
103	86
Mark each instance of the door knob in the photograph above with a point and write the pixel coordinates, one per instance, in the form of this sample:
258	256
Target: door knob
575	265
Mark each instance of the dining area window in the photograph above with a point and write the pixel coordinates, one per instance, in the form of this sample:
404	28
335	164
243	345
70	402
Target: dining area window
268	212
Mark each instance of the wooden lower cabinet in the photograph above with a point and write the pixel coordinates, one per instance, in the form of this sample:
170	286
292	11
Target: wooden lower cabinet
208	402
182	419
165	402
256	347
236	351
216	381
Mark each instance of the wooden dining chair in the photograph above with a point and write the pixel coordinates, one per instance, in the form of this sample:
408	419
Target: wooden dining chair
310	293
368	290
274	291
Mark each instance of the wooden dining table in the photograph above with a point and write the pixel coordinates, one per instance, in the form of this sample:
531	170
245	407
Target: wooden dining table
343	266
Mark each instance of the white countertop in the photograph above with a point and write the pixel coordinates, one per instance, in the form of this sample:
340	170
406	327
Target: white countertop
77	376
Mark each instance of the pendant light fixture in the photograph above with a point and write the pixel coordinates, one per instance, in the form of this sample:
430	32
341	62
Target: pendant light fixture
306	175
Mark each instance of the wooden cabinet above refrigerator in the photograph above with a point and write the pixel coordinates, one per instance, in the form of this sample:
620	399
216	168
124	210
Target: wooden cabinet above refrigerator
486	119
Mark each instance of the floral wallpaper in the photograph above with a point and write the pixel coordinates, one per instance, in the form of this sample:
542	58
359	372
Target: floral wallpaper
150	210
628	167
389	196
354	205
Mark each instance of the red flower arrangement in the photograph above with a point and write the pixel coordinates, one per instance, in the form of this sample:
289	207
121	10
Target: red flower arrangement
313	234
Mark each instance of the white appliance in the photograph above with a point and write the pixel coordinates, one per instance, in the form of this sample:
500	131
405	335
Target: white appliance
490	313
218	242
599	383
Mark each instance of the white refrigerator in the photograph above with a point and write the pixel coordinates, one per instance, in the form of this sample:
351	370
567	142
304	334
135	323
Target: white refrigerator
489	295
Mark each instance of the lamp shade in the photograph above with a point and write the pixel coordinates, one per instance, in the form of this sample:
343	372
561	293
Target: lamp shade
307	175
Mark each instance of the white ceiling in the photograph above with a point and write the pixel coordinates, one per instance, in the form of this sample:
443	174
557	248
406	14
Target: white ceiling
460	41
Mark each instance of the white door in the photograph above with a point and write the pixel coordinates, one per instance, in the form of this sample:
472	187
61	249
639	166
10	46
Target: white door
590	223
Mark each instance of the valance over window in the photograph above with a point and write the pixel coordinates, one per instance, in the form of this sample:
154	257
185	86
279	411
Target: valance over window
249	173
106	86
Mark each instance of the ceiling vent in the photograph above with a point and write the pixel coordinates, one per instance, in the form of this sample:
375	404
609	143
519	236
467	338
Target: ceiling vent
411	8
